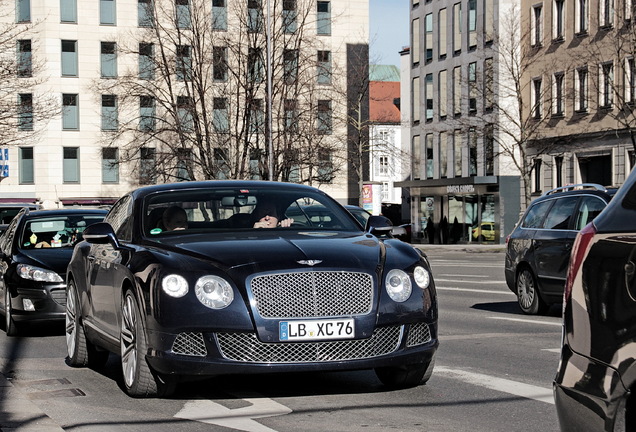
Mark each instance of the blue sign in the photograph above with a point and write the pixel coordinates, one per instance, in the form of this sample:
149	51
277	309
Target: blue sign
4	162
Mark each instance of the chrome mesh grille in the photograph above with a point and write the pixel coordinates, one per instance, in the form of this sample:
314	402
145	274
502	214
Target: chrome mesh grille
419	334
59	296
245	347
191	344
313	294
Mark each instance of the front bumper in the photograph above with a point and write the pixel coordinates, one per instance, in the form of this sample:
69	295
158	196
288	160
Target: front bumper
230	353
48	303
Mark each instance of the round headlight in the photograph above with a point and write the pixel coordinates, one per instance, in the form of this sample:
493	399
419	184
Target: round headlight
174	285
421	276
398	285
214	292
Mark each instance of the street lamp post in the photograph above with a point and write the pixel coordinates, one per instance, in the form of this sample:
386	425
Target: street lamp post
268	90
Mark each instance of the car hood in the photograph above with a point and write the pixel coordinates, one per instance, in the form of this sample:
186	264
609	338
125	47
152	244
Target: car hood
277	251
55	259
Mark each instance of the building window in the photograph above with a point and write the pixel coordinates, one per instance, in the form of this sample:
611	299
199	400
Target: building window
325	166
489	21
257	116
581	8
145	13
442	28
323	21
415	97
324	117
428	40
324	67
219	60
457	90
430	162
606	13
289	16
630	80
255	65
25	59
415	41
254	16
291	116
25	161
558	171
146	61
183	18
108	59
580	89
472	87
147	115
184	164
536	31
185	108
416	160
443	93
472	152
489	85
69	58
109	112
70	165
457	28
472	24
536	98
219	15
558	95
68	11
443	154
107	14
428	90
558	25
606	97
25	111
290	65
383	166
147	163
110	165
23	11
221	117
489	150
457	152
536	169
184	63
70	112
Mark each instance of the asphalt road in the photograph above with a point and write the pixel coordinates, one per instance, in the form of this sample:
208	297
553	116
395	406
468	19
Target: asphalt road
494	371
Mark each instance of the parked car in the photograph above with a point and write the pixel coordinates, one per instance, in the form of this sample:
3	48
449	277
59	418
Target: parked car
9	210
538	249
595	383
402	232
485	232
224	297
34	252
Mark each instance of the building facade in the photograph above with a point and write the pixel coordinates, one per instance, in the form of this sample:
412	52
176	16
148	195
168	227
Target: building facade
461	178
122	113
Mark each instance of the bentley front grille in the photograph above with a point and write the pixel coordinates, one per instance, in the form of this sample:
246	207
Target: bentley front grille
245	347
191	344
312	294
419	334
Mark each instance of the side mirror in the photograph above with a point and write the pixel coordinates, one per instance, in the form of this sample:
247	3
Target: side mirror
379	225
101	233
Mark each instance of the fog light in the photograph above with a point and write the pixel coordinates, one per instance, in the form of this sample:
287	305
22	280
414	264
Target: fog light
28	306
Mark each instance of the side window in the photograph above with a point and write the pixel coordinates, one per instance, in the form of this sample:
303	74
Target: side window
535	215
590	208
120	218
7	237
561	213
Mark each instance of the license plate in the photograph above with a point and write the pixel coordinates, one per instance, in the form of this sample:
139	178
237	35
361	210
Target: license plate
316	330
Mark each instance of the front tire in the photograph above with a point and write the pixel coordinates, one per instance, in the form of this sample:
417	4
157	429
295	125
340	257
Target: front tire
80	351
400	377
139	379
10	326
528	296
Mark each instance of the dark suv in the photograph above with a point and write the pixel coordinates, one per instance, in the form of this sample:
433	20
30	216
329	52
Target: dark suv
538	249
595	385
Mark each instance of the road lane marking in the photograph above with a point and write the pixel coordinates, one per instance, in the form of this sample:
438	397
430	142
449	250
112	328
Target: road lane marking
489	282
541	394
554	350
438	288
461	275
206	411
558	324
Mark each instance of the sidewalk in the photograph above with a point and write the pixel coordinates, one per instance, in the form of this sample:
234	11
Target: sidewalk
18	413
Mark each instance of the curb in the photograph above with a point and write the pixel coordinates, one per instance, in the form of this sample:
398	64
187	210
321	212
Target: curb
18	413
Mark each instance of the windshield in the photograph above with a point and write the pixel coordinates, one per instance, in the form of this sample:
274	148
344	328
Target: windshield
207	210
55	231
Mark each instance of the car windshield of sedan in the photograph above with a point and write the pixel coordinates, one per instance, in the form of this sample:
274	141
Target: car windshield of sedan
55	232
206	210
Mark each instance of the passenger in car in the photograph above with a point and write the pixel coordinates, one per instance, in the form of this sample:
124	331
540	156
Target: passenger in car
174	218
265	215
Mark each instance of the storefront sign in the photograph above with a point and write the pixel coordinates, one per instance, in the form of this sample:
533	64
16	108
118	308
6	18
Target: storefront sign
457	189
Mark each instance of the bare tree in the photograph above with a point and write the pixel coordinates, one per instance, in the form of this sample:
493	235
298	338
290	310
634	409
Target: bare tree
198	98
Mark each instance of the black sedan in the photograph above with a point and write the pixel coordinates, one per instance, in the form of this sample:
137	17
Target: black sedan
35	250
595	383
246	282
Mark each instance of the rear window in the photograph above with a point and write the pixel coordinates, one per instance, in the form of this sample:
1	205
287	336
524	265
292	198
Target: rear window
590	208
561	213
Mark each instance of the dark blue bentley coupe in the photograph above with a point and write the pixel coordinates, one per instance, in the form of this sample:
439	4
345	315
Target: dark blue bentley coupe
196	279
